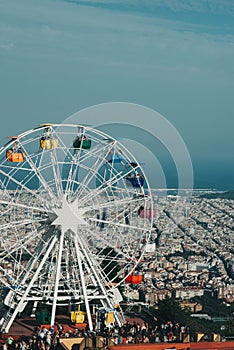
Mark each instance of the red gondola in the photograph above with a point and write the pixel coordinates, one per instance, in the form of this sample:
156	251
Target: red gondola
134	278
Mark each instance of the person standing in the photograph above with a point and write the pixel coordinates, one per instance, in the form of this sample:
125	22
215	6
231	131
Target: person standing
10	341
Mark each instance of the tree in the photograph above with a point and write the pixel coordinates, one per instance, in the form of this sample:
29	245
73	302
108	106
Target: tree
169	310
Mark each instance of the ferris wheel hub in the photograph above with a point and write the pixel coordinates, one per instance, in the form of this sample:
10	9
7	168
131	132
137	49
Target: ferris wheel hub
69	217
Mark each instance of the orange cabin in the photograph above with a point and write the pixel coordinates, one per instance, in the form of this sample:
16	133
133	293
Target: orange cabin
134	278
14	157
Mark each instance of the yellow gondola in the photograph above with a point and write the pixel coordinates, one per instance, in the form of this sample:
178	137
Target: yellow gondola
78	316
48	143
47	140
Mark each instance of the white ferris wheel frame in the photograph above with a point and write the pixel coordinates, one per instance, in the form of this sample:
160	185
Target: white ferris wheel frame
67	215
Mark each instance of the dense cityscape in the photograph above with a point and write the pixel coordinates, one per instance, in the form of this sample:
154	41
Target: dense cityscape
192	251
189	255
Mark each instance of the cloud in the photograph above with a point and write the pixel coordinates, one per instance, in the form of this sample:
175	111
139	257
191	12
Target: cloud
224	7
6	46
48	30
132	42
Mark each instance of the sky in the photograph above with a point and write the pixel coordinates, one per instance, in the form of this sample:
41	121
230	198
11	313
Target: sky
176	57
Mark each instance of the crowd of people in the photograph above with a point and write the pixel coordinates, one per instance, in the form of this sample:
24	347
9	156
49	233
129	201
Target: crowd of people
135	332
48	338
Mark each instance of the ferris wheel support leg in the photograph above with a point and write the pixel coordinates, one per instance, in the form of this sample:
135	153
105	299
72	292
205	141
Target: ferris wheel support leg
83	286
24	296
108	301
58	269
100	283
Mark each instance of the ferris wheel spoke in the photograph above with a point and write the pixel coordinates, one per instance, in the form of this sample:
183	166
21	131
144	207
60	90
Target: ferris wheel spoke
73	172
16	224
77	158
20	244
13	170
118	224
5	277
113	204
117	176
29	175
92	172
103	188
56	171
23	187
11	204
57	175
4	193
115	258
103	239
85	181
111	243
119	258
36	171
23	245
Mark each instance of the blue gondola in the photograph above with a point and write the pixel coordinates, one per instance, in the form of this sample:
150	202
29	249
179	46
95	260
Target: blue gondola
117	157
135	181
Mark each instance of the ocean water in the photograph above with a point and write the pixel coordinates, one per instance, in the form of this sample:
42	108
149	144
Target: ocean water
216	174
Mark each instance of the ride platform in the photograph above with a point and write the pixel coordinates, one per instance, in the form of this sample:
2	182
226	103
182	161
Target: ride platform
27	326
176	346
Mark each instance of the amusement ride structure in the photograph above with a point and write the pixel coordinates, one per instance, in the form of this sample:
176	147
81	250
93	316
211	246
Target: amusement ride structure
76	215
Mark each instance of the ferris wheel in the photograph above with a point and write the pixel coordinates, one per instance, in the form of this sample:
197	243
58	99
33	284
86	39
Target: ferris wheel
72	222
